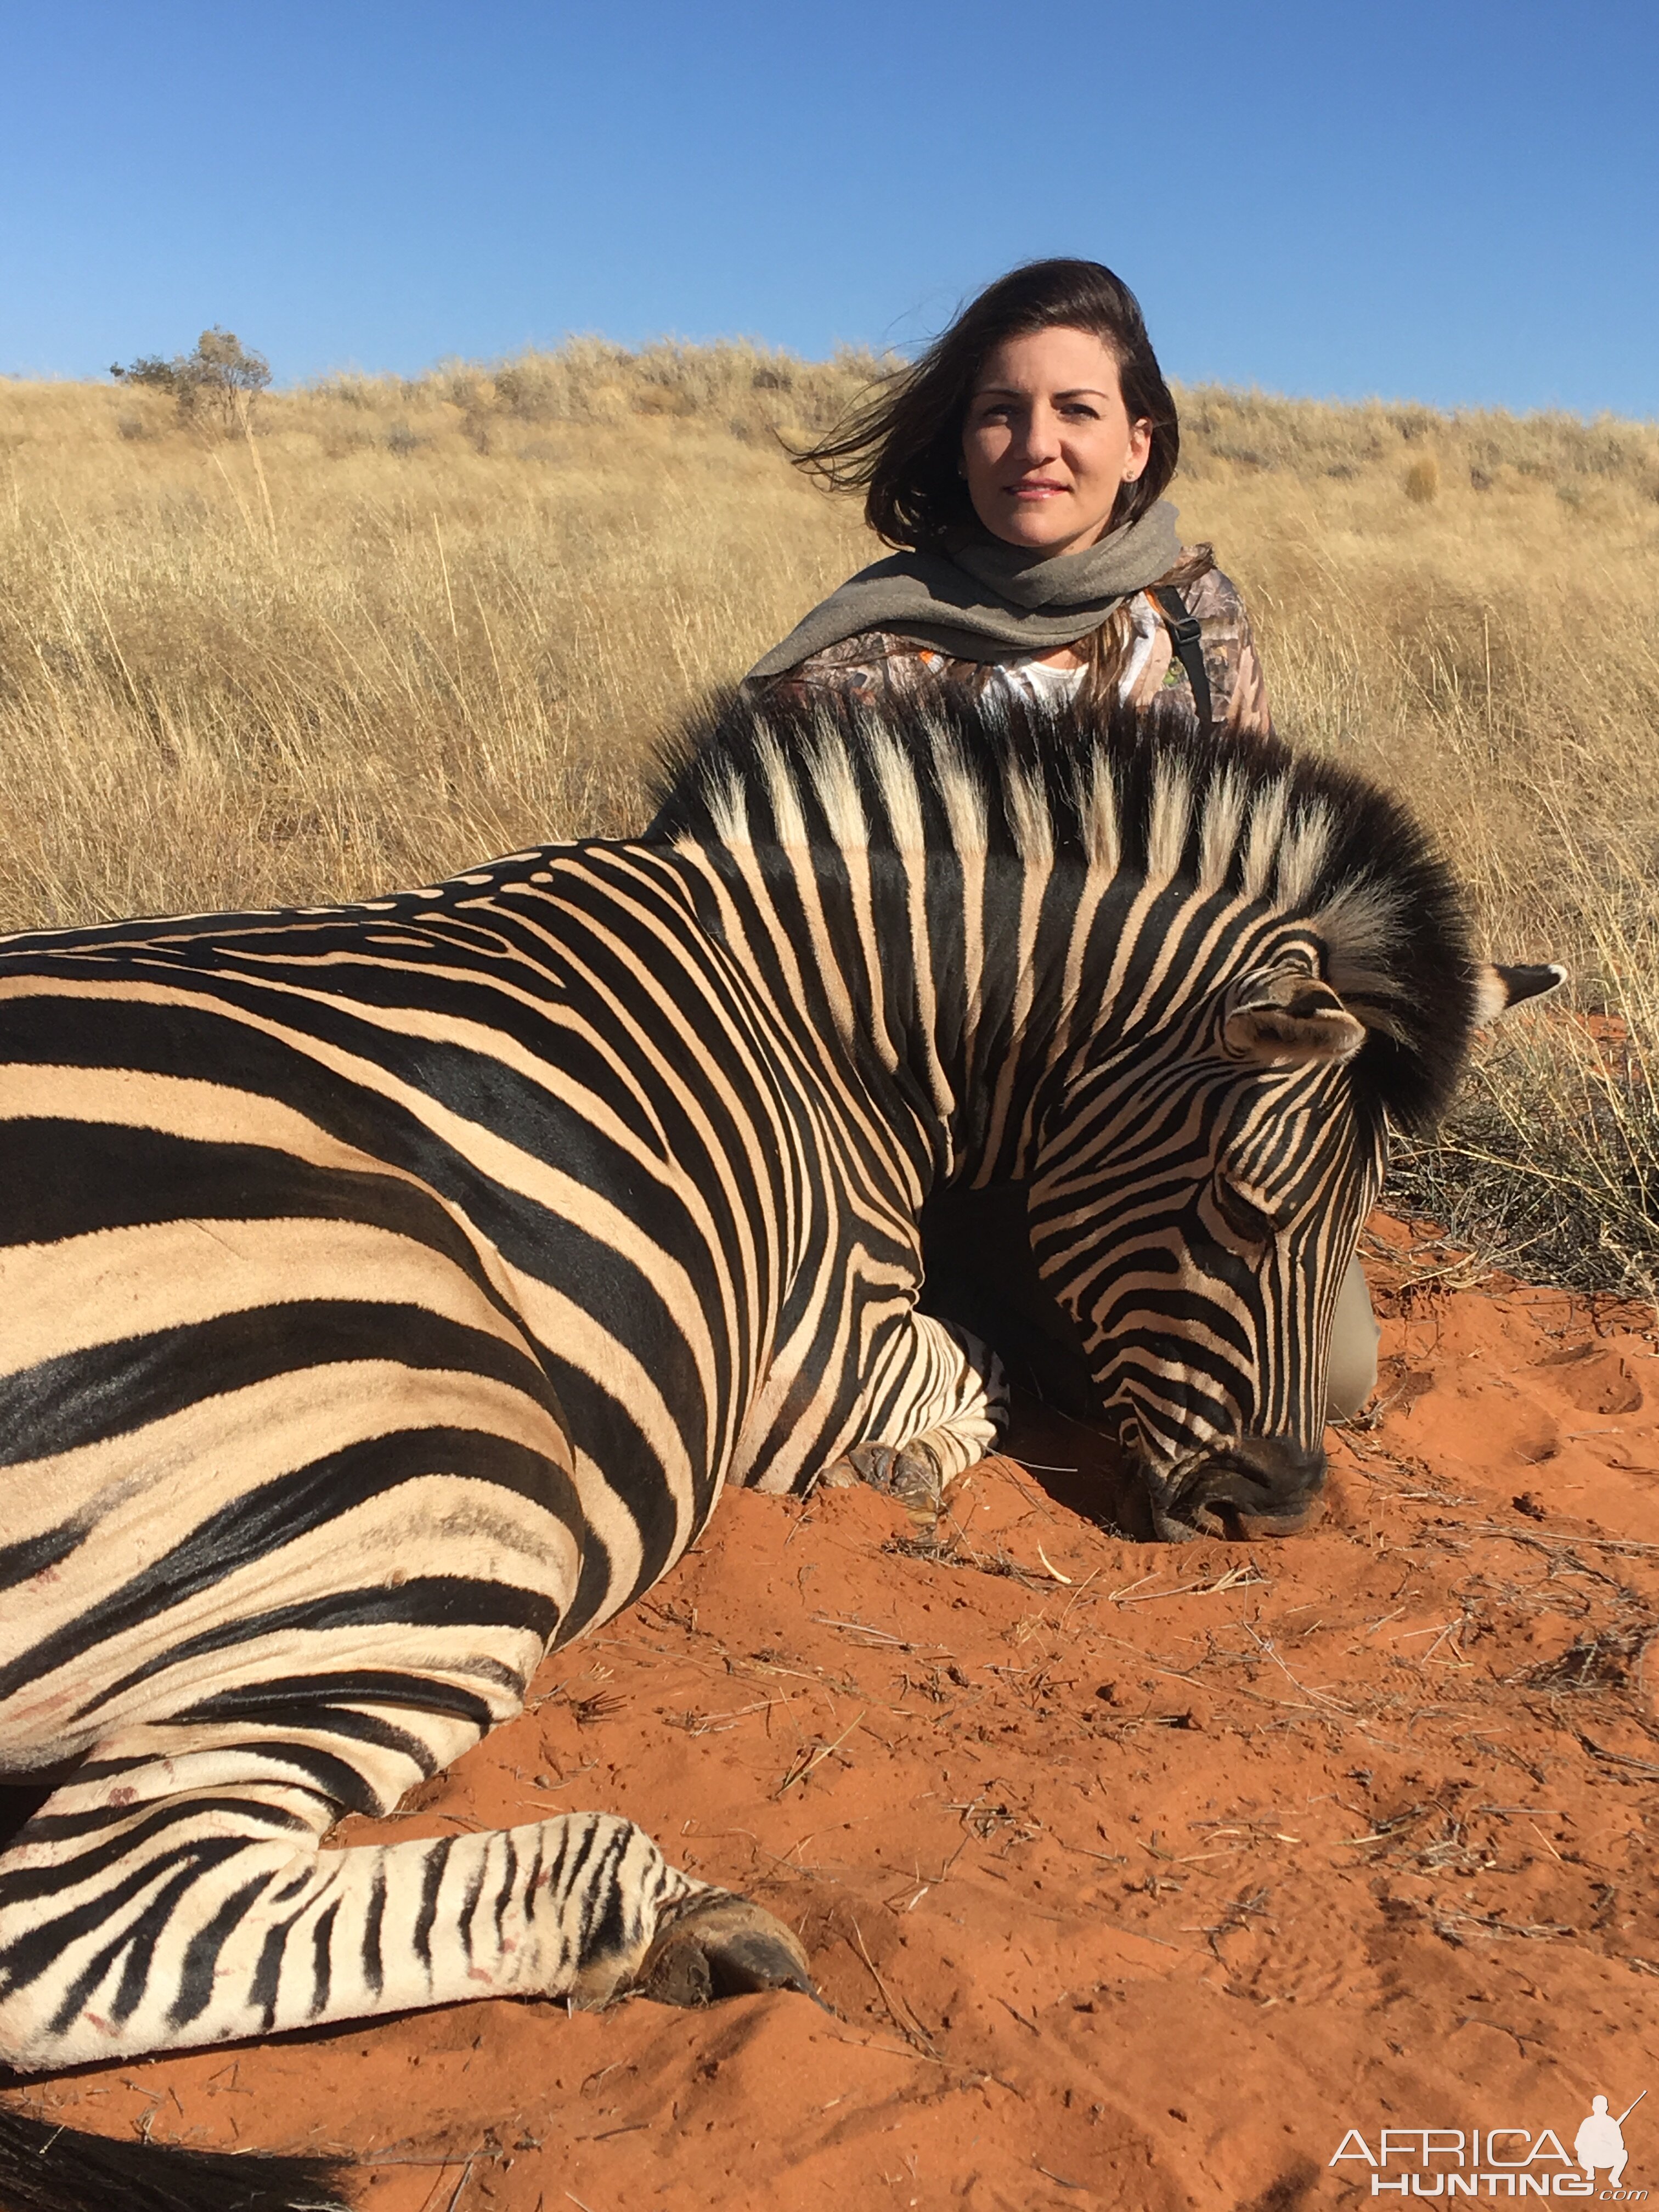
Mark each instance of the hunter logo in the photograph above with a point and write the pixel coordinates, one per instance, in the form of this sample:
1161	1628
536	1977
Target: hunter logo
1448	2162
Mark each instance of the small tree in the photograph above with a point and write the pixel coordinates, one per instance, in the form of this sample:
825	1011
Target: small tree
221	377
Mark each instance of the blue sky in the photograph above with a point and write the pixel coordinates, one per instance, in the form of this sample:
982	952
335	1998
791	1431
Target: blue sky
1454	203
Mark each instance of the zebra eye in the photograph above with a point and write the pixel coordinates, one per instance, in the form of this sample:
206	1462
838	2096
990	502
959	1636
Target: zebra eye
1248	1222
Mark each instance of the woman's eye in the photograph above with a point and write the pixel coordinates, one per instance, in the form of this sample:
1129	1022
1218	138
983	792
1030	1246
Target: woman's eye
1247	1220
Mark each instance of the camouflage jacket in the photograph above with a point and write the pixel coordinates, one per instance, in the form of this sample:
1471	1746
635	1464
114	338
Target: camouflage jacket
877	664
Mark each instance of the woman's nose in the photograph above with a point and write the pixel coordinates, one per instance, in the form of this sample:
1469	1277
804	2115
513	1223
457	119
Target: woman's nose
1039	439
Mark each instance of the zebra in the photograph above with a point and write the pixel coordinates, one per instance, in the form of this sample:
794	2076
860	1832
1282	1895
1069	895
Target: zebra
390	1290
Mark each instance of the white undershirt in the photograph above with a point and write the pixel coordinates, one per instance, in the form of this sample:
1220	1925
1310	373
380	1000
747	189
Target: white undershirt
1036	681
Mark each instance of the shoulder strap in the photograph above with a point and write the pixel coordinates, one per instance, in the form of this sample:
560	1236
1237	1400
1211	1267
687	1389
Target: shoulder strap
1186	639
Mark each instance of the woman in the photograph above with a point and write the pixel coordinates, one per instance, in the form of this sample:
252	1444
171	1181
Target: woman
1019	469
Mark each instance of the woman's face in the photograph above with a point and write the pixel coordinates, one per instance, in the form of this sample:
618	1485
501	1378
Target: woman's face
1048	444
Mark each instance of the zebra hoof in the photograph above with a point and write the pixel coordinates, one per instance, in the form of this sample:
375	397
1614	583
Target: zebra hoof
724	1947
908	1472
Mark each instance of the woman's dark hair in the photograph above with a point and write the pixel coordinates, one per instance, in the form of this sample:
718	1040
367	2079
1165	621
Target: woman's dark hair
902	448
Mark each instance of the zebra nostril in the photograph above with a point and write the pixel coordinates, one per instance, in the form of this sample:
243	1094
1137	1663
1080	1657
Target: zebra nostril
1269	1485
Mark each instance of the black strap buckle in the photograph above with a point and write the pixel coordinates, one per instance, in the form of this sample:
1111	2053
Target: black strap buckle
1186	638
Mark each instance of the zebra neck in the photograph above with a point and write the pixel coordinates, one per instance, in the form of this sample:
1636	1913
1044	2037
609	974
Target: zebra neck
984	1002
955	989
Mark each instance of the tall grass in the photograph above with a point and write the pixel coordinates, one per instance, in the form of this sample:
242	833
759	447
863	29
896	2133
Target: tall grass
1485	637
392	625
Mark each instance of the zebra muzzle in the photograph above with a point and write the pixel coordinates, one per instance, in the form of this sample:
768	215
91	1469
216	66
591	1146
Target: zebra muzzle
1246	1486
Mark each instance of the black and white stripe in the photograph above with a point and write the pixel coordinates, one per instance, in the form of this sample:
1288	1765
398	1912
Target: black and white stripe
387	1291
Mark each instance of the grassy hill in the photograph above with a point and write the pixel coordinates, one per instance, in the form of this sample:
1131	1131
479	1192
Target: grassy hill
392	625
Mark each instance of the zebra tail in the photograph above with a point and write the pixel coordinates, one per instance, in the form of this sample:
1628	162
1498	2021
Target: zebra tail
46	2168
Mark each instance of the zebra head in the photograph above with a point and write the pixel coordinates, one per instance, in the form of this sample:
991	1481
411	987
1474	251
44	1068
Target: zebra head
1195	1222
1201	1179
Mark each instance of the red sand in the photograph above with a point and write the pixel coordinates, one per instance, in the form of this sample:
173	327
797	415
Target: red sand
1136	1874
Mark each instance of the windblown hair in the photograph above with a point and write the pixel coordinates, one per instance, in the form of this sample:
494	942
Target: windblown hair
901	448
1143	792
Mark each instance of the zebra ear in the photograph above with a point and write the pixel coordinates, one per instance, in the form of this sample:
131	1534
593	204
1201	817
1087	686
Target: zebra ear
1288	1018
1499	991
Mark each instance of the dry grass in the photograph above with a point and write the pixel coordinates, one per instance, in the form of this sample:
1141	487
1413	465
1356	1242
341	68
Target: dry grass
404	623
402	626
1483	634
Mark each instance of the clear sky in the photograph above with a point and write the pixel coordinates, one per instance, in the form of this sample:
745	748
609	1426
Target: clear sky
1456	203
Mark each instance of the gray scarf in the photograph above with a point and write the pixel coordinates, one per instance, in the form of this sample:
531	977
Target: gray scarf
976	598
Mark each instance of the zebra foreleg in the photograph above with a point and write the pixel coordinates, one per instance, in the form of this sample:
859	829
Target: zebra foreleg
956	1410
167	1919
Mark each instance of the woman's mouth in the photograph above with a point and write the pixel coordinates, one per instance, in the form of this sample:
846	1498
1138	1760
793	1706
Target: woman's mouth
1036	490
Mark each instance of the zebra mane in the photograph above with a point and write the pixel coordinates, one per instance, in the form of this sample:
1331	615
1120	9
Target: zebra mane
1144	791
